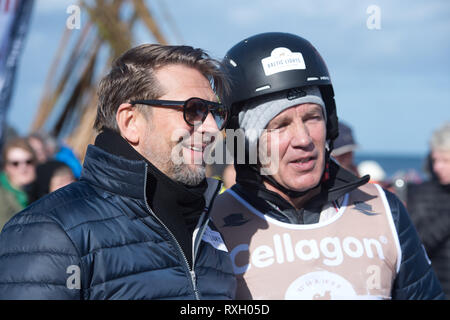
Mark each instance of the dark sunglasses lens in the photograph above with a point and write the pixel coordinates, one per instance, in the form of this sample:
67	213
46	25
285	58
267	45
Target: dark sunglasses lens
17	163
195	111
220	115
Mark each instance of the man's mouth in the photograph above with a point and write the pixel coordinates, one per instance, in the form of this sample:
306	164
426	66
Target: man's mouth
194	154
304	163
303	160
196	148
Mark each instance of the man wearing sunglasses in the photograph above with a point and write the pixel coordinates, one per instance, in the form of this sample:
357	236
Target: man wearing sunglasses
136	225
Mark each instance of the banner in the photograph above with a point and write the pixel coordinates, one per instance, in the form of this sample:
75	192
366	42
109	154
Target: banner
14	20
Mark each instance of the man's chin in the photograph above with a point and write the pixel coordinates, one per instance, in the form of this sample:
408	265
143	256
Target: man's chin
303	184
189	174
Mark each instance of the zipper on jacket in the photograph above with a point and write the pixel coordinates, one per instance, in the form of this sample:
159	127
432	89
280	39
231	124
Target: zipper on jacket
191	271
201	226
194	283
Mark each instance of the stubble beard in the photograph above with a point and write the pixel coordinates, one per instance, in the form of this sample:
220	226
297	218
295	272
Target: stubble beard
190	175
184	174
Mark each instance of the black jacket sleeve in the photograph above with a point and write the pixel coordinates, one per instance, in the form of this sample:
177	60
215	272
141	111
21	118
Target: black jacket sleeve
428	207
37	260
416	279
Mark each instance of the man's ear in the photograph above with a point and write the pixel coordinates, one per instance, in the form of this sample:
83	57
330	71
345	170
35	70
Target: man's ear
127	118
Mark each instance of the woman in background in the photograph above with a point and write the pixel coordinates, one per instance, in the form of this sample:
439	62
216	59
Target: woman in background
19	170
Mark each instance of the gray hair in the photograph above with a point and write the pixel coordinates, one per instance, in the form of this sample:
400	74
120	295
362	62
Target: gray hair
440	139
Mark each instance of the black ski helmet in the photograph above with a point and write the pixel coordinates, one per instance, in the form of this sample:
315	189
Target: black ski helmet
272	62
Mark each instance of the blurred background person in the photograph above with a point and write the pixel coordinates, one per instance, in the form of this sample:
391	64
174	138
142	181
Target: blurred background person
344	147
61	177
19	171
50	176
41	147
224	173
372	168
429	206
378	175
47	148
229	176
65	154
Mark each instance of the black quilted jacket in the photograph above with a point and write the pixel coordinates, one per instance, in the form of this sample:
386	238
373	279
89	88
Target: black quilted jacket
429	207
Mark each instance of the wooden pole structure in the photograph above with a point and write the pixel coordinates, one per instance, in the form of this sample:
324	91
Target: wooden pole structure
78	82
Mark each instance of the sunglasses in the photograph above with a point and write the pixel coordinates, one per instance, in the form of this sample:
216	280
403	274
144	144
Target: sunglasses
195	110
18	163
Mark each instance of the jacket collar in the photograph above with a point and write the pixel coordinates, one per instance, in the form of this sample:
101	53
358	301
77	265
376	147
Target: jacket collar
114	173
113	165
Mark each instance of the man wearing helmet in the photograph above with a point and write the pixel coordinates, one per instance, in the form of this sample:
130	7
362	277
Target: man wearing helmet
296	224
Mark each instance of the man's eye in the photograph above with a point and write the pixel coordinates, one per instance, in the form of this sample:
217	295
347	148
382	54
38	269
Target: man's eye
315	118
277	126
282	125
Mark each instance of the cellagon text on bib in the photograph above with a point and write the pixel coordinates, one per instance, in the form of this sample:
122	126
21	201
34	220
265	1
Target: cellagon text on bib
353	255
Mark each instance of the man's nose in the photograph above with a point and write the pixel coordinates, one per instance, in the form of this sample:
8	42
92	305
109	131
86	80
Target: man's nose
209	125
301	137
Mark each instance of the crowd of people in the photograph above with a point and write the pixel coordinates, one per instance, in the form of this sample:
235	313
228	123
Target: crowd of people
32	167
139	225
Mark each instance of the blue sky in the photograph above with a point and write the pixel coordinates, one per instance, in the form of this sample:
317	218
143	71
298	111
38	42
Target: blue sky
392	85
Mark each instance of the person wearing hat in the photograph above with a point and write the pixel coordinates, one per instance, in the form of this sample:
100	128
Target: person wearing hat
296	224
344	147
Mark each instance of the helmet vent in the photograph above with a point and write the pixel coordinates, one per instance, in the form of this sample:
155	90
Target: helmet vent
262	88
295	94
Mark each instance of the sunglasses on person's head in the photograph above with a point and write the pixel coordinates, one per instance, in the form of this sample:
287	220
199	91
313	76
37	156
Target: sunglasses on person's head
16	163
195	110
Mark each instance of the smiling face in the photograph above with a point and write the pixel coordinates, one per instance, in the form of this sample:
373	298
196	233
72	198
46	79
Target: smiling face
19	167
301	138
168	142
